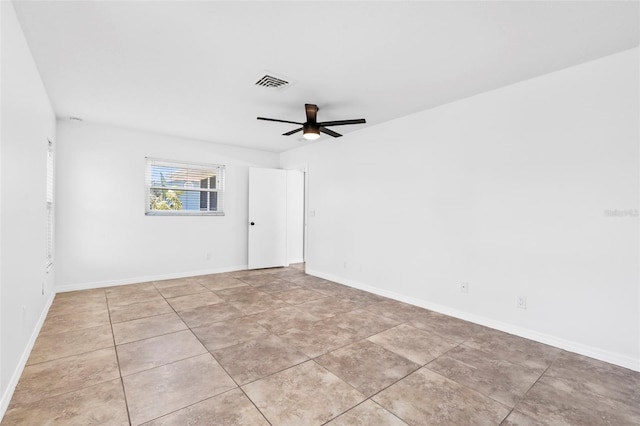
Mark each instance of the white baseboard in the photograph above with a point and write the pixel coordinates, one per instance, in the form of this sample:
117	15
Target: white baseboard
15	377
134	280
568	345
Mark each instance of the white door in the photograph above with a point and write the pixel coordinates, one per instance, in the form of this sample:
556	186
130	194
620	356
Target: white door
267	218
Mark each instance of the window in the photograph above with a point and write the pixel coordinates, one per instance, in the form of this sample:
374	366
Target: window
184	189
49	255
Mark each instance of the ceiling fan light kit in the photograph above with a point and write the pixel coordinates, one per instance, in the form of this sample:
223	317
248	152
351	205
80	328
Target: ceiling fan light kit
311	128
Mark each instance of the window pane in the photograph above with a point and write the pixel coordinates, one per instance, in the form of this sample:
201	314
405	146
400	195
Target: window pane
175	188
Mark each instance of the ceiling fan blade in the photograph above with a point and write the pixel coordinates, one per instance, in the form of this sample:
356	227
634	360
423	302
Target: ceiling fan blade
329	132
312	112
342	122
278	121
292	132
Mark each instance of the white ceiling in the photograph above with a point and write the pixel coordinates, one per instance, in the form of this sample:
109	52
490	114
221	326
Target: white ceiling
189	68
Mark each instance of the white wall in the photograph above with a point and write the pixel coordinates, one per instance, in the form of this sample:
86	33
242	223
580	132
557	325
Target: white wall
105	237
295	216
506	190
28	122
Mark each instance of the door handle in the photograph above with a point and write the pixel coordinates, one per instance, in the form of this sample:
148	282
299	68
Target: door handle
253	223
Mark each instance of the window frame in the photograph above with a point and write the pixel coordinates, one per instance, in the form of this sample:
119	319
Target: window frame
219	190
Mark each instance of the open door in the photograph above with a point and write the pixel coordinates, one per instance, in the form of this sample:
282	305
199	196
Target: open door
267	218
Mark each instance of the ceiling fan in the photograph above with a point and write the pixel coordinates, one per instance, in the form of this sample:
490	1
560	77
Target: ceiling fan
311	128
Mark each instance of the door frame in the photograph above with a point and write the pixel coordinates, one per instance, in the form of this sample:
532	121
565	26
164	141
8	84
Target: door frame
303	167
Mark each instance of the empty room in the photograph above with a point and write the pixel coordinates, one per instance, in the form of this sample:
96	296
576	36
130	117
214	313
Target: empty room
320	212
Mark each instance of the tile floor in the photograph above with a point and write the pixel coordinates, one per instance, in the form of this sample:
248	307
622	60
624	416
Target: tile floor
284	348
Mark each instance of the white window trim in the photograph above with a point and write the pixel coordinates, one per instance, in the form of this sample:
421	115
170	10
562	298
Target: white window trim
220	187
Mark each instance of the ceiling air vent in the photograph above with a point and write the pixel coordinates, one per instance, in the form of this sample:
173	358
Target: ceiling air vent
271	81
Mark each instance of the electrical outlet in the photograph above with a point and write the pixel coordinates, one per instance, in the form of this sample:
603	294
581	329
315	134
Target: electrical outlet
345	264
208	257
43	288
464	287
521	302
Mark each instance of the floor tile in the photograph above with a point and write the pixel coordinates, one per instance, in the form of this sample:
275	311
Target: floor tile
162	390
555	401
367	414
317	338
182	290
134	295
255	359
501	380
306	394
153	352
59	345
598	377
209	314
39	381
241	293
367	366
416	345
220	282
328	307
362	322
229	408
398	311
425	397
228	333
513	348
277	285
298	296
258	279
130	331
101	404
255	304
452	328
191	301
76	320
283	319
139	310
174	282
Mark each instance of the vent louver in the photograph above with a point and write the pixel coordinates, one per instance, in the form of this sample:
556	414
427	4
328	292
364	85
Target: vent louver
271	81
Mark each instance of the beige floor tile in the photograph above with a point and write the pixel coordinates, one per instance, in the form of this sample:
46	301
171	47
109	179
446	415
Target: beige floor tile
416	345
59	345
191	301
163	390
328	307
398	311
317	338
555	401
241	293
143	328
367	414
255	359
229	408
209	314
425	398
182	290
446	326
101	404
174	282
367	366
257	304
298	296
134	295
76	306
139	310
63	375
277	286
228	333
220	282
362	323
306	394
501	380
76	320
598	377
513	348
153	352
283	319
